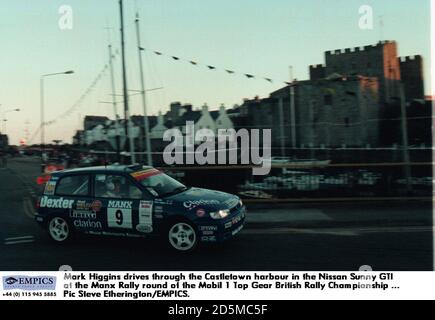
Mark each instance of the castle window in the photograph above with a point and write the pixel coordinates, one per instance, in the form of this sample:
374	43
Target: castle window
327	99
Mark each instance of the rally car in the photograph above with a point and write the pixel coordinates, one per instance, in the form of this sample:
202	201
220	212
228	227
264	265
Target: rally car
136	201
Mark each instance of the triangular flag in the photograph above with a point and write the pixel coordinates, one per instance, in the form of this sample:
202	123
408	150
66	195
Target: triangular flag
268	79
211	67
175	58
230	71
193	62
158	53
249	75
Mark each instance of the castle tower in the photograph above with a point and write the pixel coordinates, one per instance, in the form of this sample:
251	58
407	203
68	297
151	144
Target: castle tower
378	61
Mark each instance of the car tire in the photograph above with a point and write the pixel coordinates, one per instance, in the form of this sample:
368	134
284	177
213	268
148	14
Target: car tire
60	230
181	236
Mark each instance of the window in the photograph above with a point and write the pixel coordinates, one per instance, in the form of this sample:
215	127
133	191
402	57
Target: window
327	100
115	187
77	185
346	122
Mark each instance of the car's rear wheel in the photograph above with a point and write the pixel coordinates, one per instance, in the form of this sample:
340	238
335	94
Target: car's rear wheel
59	229
182	236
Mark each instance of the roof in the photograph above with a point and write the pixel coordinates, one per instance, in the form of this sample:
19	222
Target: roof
102	169
214	114
188	116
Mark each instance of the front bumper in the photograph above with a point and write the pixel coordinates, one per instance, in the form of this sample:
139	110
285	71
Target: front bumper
225	229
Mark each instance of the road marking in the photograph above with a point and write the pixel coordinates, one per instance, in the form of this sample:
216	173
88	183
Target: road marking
19	238
19	242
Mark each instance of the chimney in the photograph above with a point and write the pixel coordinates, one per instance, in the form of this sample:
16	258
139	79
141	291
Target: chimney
160	119
222	109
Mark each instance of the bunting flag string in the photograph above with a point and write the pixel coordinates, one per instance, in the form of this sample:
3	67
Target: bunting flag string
214	68
87	92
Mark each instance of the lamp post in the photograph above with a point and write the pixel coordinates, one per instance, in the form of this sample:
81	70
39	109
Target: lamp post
42	106
4	120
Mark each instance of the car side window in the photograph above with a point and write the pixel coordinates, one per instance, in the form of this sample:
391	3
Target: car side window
77	185
115	186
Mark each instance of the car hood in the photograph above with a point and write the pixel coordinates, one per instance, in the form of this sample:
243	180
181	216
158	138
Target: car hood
208	200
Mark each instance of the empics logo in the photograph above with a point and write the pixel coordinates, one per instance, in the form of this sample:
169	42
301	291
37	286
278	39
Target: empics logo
29	283
11	280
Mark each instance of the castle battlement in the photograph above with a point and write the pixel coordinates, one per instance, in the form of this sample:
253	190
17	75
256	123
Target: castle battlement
317	66
411	58
359	49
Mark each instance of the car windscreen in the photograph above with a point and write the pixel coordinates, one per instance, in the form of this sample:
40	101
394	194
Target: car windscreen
158	183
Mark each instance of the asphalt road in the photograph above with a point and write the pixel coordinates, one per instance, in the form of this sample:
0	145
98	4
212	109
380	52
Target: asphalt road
24	246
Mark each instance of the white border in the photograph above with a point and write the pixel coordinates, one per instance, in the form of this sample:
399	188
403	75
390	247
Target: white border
432	94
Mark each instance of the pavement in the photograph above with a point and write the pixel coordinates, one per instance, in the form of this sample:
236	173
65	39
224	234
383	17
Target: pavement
392	236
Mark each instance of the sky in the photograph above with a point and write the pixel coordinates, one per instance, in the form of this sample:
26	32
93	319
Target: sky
259	37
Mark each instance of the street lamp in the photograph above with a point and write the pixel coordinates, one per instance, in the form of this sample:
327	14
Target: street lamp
4	120
42	105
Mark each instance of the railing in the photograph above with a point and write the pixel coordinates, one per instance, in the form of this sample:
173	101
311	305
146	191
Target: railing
332	182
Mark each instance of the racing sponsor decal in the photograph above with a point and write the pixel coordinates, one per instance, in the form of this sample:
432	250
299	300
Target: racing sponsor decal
88	224
50	187
158	209
96	206
208	228
208	238
119	214
120	204
145	217
144	174
235	220
59	203
195	203
83	214
200	213
83	205
114	234
162	201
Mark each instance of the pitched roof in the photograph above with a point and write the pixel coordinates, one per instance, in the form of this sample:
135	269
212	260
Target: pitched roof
188	116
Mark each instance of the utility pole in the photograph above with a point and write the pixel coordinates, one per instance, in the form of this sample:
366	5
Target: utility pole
405	147
292	109
128	126
281	126
115	107
143	93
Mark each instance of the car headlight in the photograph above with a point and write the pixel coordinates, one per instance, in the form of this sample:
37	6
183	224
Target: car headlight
240	203
221	214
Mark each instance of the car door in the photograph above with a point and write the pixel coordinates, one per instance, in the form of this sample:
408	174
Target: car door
122	204
72	196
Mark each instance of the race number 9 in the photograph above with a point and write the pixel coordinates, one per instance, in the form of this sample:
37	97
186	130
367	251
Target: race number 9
119	218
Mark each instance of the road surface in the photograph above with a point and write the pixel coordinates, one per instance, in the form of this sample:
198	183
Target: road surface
25	247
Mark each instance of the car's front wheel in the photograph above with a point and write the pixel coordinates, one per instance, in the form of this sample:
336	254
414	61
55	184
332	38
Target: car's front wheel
59	229
182	236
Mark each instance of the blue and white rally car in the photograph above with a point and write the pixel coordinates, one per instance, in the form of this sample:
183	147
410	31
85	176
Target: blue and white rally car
136	201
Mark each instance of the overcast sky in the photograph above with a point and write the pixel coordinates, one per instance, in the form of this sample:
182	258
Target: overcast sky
259	37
